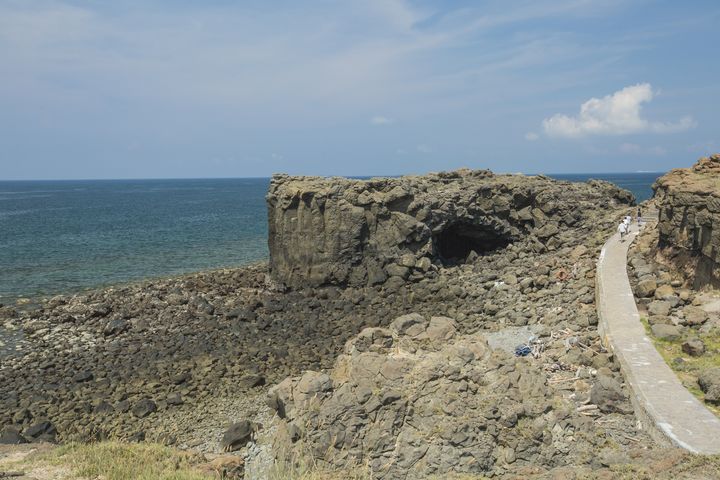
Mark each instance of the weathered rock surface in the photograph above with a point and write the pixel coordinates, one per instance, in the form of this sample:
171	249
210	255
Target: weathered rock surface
365	232
238	434
709	381
689	220
417	399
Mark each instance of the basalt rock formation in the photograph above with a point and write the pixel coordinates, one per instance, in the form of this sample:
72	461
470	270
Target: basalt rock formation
339	231
689	220
417	400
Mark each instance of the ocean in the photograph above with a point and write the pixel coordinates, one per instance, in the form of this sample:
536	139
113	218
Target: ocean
68	236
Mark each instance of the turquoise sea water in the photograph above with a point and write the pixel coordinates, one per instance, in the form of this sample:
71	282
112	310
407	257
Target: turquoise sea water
66	236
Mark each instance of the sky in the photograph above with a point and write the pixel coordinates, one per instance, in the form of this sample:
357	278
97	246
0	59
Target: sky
220	88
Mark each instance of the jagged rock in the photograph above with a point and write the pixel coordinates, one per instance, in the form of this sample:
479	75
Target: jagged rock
416	399
365	232
117	326
238	435
689	212
11	436
143	408
43	430
607	394
84	376
694	347
709	381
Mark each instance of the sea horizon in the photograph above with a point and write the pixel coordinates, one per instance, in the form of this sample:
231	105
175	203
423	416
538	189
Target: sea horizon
122	179
67	236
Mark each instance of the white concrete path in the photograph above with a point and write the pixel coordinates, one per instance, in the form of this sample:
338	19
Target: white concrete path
667	410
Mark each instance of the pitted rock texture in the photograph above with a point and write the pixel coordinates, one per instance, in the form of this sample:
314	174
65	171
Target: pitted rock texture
325	231
689	220
417	399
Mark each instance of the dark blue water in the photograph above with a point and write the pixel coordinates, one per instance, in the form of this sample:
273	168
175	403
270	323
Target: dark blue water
60	236
65	236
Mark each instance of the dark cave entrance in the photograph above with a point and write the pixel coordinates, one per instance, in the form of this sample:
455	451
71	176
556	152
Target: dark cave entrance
456	241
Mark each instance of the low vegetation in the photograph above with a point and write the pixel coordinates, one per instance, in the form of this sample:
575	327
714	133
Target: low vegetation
688	367
109	461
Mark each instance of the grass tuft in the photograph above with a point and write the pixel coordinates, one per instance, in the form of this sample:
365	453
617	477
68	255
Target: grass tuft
123	461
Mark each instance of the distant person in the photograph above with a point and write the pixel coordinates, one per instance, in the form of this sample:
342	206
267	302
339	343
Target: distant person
639	215
623	230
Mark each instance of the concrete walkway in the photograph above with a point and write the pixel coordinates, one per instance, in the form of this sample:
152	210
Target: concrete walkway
665	408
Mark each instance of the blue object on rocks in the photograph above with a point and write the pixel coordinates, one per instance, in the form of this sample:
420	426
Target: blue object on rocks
522	351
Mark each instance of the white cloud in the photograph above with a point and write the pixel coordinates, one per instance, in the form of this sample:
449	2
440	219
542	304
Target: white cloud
616	114
531	136
380	120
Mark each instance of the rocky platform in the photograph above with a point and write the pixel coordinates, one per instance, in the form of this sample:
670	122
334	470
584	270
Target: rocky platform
688	200
367	232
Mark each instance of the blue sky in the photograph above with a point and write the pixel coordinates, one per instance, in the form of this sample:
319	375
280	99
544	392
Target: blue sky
138	89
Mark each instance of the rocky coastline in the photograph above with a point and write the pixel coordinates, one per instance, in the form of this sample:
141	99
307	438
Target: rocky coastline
673	269
406	364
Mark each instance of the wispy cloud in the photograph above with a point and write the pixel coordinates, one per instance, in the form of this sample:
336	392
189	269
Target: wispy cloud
615	114
635	149
380	120
531	136
422	148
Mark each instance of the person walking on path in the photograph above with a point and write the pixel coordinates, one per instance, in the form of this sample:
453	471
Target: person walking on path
639	215
623	230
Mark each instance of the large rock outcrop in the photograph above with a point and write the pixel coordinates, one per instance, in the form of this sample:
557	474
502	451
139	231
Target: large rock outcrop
689	220
341	231
417	400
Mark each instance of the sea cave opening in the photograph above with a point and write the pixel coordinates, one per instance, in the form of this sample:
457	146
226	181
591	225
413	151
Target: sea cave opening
456	241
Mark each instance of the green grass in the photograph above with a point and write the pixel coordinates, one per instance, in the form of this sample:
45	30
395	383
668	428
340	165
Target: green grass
690	367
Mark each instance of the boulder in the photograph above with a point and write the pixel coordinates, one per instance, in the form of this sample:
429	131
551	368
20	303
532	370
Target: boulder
659	308
694	316
11	436
693	347
709	382
115	327
143	408
238	435
666	332
664	292
646	288
607	394
43	430
84	376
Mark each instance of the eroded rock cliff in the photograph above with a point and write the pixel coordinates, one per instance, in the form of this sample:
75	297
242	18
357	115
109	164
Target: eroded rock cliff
689	220
325	231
